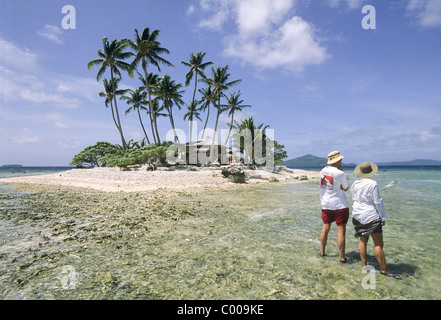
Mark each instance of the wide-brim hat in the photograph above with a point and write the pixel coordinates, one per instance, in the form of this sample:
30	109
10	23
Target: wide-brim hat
366	170
334	157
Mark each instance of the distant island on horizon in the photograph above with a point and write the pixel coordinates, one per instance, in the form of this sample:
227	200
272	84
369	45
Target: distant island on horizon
11	166
310	160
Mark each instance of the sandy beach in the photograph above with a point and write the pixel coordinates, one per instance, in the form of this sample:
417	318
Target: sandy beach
140	180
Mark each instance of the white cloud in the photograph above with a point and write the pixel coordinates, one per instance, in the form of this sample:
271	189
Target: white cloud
292	47
352	4
267	33
52	33
12	55
190	10
68	144
26	136
423	142
256	17
12	83
23	80
214	13
86	88
56	119
41	97
428	12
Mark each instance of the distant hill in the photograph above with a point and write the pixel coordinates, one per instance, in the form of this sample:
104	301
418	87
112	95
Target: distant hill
12	166
306	160
309	160
313	161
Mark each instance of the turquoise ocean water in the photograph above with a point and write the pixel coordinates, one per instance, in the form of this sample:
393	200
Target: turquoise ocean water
274	242
8	172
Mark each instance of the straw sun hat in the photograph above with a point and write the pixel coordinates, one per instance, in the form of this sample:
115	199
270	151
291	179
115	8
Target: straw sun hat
366	170
334	157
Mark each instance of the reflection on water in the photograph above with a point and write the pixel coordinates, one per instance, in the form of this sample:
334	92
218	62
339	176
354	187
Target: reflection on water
252	242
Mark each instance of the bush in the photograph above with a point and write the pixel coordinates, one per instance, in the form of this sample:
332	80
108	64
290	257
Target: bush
94	156
138	156
104	154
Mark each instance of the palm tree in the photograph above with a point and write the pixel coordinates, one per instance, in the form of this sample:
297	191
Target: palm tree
133	144
234	105
157	109
197	67
219	82
194	112
148	51
151	81
169	92
192	109
208	98
256	131
113	57
108	94
137	100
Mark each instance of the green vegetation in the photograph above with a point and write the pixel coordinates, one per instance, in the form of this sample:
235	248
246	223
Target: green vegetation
279	153
257	132
94	156
104	154
156	96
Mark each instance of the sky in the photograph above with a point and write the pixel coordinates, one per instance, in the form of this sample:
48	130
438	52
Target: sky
325	75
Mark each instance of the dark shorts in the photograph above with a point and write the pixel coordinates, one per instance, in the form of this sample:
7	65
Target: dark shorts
340	217
364	230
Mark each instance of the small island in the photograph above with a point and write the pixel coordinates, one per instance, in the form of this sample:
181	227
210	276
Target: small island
12	166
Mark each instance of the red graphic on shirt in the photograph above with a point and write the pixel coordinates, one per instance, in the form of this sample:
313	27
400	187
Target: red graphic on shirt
327	181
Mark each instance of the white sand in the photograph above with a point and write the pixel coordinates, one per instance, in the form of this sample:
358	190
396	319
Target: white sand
138	180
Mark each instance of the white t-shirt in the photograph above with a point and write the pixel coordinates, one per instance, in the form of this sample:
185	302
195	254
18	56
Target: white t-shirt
367	204
332	197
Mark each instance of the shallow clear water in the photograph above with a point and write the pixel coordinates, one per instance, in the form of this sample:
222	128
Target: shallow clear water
254	242
279	240
276	242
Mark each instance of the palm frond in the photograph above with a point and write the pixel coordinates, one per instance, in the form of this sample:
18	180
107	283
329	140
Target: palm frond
101	72
94	62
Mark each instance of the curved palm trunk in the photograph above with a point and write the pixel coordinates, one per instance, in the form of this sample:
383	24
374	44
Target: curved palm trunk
215	128
155	123
113	114
206	122
123	141
214	136
231	126
192	109
172	122
152	113
142	125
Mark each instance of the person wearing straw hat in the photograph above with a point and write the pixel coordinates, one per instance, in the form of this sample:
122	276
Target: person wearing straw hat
368	213
335	207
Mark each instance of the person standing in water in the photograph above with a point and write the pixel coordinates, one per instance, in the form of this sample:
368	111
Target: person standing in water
369	214
335	207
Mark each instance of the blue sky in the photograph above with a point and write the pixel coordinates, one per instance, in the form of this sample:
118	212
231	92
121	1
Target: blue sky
308	68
